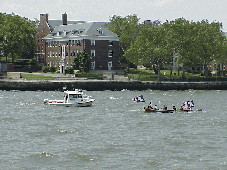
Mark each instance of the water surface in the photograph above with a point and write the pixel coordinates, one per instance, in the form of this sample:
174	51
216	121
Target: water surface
114	133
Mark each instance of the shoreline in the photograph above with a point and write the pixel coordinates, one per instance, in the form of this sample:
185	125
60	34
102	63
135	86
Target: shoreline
100	85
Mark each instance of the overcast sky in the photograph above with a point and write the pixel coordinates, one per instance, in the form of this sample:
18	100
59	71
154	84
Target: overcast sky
102	10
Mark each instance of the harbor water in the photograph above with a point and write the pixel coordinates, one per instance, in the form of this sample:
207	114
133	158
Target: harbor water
114	133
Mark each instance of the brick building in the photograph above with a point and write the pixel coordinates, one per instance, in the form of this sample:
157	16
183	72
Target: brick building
58	42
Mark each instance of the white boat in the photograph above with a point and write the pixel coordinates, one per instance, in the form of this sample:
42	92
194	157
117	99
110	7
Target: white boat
138	99
72	98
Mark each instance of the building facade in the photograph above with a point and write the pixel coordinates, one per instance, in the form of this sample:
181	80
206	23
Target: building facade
59	42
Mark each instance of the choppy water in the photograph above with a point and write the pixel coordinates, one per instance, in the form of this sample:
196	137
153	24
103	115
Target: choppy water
114	133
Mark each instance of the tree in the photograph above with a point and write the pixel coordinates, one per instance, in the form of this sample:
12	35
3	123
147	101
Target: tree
150	47
183	41
127	28
17	37
82	61
210	42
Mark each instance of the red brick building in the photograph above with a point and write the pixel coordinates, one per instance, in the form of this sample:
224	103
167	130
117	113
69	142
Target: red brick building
58	42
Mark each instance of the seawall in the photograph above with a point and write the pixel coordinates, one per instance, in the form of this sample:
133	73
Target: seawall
99	85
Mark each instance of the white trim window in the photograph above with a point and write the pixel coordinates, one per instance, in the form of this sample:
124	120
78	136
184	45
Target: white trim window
92	53
92	42
110	65
110	54
110	43
93	65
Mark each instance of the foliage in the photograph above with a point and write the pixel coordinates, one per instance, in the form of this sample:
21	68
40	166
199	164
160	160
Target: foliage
69	70
127	29
53	69
17	37
89	75
186	43
150	47
45	69
197	43
82	61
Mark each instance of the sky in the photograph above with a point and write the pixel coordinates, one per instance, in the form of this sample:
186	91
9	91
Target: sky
102	10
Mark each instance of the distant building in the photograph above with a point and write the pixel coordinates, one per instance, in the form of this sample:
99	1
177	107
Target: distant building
58	42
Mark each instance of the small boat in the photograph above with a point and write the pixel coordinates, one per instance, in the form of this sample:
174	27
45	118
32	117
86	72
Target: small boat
149	110
72	98
138	99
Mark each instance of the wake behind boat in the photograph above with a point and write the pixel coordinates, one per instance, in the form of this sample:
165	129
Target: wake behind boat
72	98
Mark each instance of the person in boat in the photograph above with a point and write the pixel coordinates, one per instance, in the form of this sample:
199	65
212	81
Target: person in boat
174	108
155	107
181	108
149	106
164	108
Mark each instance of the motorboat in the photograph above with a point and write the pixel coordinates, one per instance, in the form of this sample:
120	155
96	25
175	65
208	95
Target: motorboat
138	99
72	98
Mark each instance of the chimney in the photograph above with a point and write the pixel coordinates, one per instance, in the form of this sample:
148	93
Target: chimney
44	17
64	19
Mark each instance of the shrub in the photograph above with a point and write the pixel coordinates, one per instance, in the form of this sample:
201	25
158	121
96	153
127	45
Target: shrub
45	69
89	75
53	69
69	70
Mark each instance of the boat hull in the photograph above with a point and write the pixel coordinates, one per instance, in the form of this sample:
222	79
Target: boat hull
148	110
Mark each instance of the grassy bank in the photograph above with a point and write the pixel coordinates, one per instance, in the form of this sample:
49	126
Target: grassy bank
36	77
149	75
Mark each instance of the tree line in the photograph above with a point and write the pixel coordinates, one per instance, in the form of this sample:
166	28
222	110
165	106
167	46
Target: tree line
180	41
17	37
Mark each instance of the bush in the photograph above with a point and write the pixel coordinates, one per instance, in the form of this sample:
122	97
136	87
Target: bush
53	69
69	70
89	75
45	69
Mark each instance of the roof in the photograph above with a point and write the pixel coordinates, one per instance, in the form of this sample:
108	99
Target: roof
88	30
53	23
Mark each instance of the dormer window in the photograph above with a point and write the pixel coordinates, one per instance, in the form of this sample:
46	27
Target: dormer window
100	31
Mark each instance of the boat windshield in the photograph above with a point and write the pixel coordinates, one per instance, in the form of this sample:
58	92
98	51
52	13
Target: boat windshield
75	96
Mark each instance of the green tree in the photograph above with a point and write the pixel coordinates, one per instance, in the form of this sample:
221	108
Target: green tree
210	42
183	41
127	28
17	37
82	61
150	47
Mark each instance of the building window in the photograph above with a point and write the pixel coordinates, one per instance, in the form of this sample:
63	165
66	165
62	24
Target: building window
93	53
92	42
78	43
110	65
50	54
110	43
110	54
93	65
